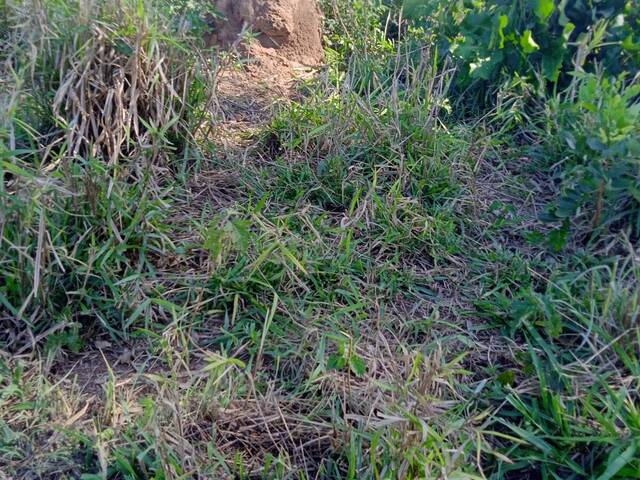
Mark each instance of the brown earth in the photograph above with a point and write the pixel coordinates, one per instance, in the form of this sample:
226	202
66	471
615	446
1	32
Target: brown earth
281	33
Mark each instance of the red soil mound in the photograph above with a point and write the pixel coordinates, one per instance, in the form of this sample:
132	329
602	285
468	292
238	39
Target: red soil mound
285	32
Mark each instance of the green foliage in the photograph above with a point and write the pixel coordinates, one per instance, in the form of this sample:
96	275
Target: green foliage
90	109
564	320
346	357
93	246
600	130
351	142
493	40
355	36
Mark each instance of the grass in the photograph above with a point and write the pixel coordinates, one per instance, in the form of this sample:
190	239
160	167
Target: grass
372	295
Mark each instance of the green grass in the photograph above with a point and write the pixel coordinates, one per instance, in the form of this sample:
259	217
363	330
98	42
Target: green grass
374	294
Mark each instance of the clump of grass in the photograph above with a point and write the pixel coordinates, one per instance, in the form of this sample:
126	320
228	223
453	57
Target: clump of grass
344	137
109	81
101	100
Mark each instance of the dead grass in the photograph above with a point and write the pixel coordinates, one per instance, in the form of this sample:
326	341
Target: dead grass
125	88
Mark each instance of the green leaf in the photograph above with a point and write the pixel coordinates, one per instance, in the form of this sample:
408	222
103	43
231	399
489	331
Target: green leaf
557	239
544	9
629	45
215	364
140	9
242	233
563	19
617	461
213	239
528	437
287	253
567	31
527	42
551	64
5	303
570	139
503	21
358	365
336	362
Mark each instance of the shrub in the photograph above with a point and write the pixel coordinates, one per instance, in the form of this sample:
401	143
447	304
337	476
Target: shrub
496	39
601	167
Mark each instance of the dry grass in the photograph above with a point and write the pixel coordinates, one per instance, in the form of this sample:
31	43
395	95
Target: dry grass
190	403
124	88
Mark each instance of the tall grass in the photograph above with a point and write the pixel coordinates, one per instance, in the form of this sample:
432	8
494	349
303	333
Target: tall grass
102	100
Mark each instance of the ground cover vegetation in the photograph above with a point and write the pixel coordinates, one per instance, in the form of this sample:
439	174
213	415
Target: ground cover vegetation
425	265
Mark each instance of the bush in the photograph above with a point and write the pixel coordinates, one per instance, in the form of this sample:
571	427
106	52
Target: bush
491	41
601	167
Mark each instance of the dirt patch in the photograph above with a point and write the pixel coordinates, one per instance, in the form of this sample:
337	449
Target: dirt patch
281	33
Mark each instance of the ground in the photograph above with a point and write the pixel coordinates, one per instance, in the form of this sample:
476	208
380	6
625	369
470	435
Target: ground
109	384
299	266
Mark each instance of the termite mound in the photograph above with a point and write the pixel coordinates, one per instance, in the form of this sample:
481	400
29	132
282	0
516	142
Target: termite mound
280	32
